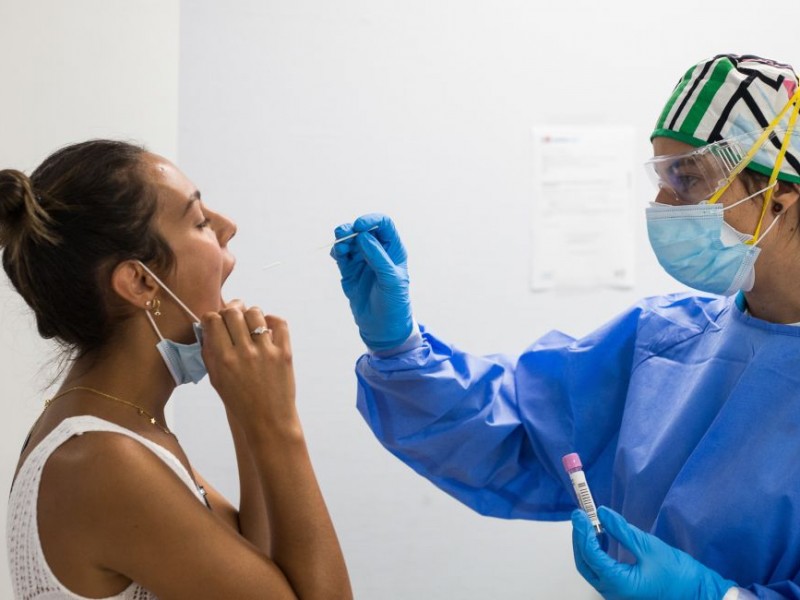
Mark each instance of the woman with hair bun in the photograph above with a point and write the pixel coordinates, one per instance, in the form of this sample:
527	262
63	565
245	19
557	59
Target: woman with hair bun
122	263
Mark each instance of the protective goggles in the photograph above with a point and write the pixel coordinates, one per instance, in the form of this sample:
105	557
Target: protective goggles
717	165
696	176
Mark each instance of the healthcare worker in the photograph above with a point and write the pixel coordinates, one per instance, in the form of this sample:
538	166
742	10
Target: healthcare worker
685	409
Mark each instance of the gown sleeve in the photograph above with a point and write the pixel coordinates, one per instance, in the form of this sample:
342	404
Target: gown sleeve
491	430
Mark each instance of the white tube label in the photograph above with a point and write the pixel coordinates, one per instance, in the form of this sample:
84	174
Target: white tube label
584	496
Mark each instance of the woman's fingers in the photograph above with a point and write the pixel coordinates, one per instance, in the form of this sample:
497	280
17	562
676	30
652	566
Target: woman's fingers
280	333
250	364
244	325
235	303
237	328
217	347
215	333
257	325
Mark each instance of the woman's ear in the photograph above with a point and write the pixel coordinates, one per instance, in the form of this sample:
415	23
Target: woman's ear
785	196
133	284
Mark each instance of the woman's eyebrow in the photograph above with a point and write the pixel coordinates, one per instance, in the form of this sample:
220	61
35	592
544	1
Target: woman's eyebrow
194	197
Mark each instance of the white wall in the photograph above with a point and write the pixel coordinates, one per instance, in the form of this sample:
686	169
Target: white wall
298	115
70	71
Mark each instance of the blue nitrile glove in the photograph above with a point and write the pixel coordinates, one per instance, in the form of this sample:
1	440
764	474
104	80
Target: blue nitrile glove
375	280
661	571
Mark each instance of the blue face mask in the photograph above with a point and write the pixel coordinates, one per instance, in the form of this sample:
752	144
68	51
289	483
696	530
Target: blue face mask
184	361
695	245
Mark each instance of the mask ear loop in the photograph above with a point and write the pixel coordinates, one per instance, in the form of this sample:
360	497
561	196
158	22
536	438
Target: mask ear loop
169	291
755	147
746	198
766	231
153	323
774	175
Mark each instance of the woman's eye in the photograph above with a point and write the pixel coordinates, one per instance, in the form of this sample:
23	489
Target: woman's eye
206	222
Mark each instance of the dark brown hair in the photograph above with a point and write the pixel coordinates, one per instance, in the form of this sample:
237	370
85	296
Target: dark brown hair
753	181
87	207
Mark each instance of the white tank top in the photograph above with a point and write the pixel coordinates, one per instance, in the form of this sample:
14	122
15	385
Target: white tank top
31	576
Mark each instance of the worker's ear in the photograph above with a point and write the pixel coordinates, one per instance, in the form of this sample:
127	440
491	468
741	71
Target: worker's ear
785	196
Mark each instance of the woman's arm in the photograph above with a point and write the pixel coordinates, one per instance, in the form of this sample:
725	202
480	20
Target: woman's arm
112	512
250	519
254	378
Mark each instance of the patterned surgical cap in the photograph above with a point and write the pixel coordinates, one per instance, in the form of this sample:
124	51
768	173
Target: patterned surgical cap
730	95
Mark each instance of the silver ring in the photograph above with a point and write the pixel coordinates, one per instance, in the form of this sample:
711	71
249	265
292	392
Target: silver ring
260	330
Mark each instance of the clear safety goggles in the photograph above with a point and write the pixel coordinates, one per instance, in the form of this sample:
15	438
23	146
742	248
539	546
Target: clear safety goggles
696	176
726	156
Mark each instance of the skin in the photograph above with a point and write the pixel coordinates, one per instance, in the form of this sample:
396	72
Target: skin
775	296
110	512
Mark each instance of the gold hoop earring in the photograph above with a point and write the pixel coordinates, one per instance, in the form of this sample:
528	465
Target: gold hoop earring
154	305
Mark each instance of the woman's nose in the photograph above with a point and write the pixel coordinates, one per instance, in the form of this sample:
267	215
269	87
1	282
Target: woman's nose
228	233
225	228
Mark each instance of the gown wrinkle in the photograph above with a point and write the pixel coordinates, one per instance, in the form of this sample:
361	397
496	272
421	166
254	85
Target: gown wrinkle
684	409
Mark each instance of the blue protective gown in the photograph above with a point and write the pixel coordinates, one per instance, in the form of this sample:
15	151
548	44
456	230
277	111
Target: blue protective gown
685	411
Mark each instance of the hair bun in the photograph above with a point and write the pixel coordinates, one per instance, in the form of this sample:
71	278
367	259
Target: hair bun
20	211
14	186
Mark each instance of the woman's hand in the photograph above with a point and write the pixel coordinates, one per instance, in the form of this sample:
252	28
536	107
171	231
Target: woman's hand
251	371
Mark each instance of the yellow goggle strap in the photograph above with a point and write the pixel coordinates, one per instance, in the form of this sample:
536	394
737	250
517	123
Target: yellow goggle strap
775	170
756	147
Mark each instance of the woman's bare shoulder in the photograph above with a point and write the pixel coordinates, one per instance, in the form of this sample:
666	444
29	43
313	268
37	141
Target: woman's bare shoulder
129	513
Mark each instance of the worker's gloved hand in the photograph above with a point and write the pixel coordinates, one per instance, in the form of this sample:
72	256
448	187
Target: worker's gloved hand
375	280
661	571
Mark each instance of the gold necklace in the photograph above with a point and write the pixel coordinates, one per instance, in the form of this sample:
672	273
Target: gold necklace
139	409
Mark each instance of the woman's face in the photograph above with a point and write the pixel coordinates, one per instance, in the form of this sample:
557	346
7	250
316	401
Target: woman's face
199	238
743	217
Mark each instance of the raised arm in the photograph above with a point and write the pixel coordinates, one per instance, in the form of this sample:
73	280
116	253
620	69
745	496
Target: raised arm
250	518
489	430
253	375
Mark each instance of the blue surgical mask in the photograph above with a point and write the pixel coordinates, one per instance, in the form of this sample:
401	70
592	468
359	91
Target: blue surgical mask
184	361
697	247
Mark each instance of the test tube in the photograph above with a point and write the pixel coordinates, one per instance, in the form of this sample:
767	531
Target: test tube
572	465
